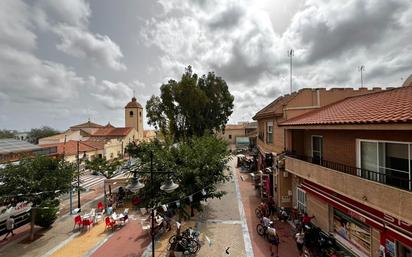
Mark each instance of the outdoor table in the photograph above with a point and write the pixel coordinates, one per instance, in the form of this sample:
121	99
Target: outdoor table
117	218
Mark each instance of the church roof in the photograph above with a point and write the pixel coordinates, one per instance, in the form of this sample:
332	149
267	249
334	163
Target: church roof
133	104
88	124
112	132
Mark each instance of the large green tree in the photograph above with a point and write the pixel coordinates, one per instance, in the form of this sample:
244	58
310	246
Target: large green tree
39	180
36	133
192	106
104	167
199	163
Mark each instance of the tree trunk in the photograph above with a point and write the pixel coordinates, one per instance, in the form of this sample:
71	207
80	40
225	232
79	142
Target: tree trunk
33	216
110	189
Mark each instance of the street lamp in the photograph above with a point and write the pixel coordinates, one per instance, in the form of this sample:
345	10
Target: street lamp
169	186
78	174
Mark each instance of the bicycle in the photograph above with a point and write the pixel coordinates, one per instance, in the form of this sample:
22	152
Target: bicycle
262	211
187	241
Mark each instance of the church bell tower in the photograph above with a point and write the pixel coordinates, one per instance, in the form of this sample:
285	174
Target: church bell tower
134	116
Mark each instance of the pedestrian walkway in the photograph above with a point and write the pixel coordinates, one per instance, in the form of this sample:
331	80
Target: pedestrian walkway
90	181
130	241
261	247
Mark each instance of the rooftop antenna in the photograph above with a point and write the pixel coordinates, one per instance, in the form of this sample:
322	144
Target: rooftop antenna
361	69
291	53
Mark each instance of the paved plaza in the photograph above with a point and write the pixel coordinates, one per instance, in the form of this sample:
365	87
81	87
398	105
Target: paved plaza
228	224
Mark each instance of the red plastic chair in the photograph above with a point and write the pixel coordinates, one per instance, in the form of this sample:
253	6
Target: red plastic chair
99	206
87	223
77	221
109	223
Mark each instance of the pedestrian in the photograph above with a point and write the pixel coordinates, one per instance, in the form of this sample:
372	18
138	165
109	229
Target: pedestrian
9	227
272	206
266	221
300	239
273	238
283	215
306	219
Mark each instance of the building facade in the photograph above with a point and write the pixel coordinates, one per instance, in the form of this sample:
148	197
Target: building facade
97	140
350	165
271	140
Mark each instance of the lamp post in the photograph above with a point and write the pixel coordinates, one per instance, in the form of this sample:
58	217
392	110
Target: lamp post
169	186
78	175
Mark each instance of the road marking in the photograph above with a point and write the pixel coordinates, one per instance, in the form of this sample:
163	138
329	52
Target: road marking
246	236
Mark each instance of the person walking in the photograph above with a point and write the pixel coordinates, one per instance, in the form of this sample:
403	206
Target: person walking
300	239
272	206
273	238
9	227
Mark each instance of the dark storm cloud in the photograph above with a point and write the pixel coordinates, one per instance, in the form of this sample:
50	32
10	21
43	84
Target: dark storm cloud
227	19
365	25
240	69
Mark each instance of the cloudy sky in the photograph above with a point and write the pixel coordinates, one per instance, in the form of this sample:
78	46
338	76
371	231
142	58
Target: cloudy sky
64	61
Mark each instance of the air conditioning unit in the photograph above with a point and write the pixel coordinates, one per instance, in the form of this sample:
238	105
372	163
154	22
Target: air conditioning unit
285	174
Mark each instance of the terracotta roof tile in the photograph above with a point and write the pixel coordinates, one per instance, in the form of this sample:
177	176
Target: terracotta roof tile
273	107
111	132
70	148
390	106
88	124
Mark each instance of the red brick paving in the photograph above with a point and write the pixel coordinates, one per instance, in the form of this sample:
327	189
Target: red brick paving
129	241
261	247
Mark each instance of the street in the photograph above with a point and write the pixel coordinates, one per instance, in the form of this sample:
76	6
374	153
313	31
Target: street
227	227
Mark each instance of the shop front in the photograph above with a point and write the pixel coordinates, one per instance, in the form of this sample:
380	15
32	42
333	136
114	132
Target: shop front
360	229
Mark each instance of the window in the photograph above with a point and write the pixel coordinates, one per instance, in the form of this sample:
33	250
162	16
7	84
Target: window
301	200
230	136
317	149
131	113
386	162
269	132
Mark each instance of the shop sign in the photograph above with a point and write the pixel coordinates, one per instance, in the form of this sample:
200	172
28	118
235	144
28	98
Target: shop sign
352	230
397	222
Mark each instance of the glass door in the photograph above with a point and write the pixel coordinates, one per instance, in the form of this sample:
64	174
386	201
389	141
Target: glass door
317	149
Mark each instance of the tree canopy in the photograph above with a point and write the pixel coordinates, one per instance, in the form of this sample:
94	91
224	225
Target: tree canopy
192	106
36	179
199	163
107	168
5	133
36	133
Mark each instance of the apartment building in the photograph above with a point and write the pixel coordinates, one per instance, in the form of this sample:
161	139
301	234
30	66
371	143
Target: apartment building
350	165
271	140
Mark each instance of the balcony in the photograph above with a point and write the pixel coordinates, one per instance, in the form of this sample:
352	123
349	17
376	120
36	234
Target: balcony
381	191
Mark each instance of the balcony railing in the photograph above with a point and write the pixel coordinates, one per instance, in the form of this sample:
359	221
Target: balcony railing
385	176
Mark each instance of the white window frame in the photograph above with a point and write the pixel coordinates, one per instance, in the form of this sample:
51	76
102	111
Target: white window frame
358	154
267	132
299	201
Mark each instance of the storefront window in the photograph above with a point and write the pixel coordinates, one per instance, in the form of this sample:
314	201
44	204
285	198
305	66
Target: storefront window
301	200
404	251
352	230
